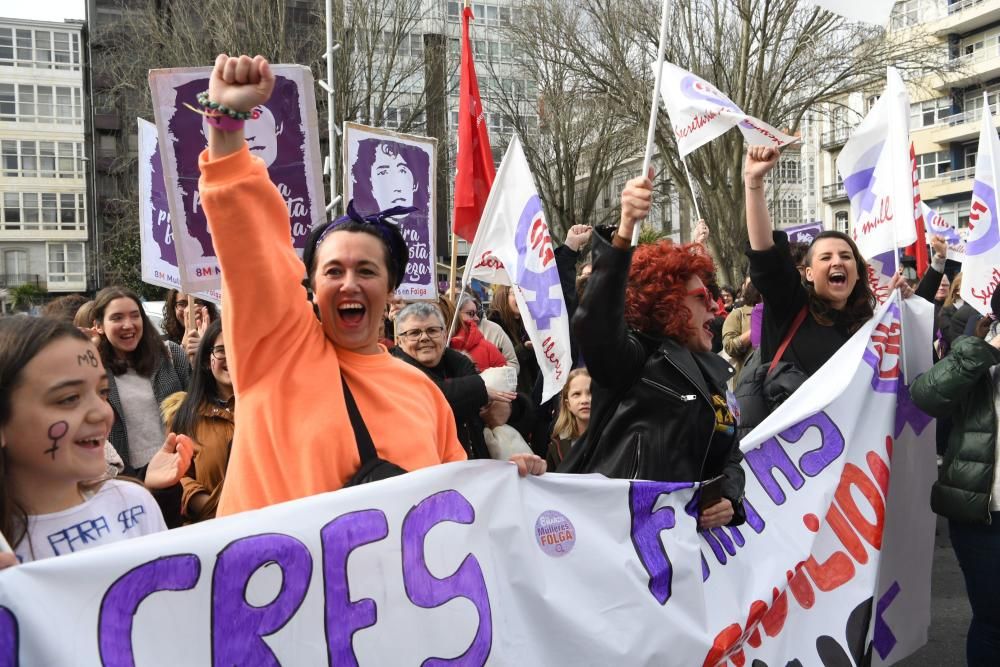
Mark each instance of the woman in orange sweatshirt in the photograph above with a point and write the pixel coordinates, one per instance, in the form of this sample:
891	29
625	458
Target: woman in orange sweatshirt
293	437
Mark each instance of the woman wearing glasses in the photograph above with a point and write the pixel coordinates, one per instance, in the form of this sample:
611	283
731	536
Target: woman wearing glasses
294	437
659	406
205	414
420	342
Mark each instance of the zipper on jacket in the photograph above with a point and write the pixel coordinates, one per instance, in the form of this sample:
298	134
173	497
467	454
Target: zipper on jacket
711	408
683	398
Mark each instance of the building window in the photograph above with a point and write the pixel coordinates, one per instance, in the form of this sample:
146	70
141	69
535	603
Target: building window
44	159
789	169
787	211
840	221
905	14
933	165
43	211
39	48
66	264
8	104
931	112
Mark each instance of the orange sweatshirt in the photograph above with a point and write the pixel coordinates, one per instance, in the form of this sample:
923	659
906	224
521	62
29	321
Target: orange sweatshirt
293	436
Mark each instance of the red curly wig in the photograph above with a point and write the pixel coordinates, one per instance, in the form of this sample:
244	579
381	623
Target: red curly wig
657	287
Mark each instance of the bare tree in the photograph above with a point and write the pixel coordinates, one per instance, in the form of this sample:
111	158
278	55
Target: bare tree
577	134
773	58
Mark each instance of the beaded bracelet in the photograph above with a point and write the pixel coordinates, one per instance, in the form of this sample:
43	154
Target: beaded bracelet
215	108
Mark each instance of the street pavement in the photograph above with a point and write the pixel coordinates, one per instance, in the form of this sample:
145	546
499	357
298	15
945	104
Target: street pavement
950	611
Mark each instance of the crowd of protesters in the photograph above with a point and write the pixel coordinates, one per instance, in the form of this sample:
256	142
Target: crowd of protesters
100	411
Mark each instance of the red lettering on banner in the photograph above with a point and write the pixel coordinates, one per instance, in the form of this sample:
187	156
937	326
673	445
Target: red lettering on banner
489	260
985	295
884	216
855	477
547	346
879	289
700	121
541	241
847	523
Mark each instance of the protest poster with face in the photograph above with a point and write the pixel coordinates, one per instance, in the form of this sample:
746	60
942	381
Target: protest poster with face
283	133
156	241
384	169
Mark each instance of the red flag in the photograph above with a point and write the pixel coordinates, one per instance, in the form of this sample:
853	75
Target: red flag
474	163
918	249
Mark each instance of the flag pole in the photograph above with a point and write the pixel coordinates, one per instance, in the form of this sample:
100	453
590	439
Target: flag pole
694	198
655	107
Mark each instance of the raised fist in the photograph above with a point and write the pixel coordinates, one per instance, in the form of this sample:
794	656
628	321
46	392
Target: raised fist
240	82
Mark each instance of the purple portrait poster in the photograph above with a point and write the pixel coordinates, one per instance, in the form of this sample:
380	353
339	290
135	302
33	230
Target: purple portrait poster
383	169
285	136
159	256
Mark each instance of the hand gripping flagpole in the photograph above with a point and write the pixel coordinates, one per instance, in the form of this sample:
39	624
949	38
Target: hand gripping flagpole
655	108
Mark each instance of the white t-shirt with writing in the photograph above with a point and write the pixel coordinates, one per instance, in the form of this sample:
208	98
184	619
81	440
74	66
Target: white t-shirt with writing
117	511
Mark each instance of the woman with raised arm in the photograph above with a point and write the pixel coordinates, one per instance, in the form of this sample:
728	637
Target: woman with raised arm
822	311
660	409
293	435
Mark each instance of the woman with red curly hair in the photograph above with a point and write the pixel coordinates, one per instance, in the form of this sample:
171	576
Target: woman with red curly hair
659	407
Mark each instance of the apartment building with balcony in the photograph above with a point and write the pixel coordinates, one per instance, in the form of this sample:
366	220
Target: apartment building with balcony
945	110
43	221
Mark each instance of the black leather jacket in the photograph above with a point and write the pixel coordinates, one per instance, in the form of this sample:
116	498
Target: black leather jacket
653	416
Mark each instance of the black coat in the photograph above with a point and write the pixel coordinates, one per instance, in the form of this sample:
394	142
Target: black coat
465	392
653	415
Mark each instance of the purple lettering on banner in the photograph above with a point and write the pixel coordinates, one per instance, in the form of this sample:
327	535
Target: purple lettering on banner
984	227
9	649
754	519
907	412
427	591
647	524
831	446
882	636
122	599
342	616
238	627
763	459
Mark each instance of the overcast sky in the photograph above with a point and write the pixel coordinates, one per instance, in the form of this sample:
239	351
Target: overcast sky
43	10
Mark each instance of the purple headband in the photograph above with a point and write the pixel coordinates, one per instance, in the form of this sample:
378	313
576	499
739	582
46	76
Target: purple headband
378	220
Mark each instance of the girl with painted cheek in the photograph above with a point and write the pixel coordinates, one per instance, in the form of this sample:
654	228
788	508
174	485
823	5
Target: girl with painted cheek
205	413
54	419
143	371
574	416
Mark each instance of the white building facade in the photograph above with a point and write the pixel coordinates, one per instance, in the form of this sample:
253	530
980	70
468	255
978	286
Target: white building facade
43	224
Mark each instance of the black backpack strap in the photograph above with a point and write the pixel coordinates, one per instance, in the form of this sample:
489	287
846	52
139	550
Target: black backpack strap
366	448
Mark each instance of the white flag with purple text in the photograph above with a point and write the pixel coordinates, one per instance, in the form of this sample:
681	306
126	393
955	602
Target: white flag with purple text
700	112
981	268
936	225
876	169
513	247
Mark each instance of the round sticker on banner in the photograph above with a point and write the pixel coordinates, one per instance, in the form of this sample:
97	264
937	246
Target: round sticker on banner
555	533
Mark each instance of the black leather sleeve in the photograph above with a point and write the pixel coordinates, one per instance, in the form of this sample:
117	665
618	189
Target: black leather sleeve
613	356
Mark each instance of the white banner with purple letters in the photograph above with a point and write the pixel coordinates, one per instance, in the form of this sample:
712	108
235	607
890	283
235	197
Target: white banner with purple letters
284	135
467	561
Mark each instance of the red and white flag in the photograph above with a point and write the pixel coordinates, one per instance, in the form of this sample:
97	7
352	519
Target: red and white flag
474	162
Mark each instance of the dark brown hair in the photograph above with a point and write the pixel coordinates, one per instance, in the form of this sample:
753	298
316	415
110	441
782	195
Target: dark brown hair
146	357
21	339
174	328
860	302
65	307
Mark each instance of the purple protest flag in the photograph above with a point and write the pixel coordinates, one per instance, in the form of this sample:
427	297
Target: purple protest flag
804	233
285	136
384	169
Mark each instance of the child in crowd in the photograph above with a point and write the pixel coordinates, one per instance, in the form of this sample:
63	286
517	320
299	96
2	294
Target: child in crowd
574	415
54	420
